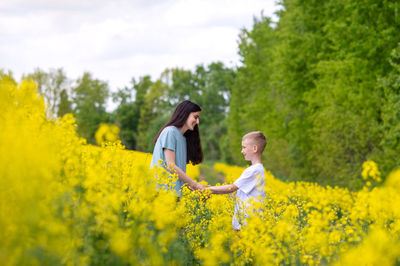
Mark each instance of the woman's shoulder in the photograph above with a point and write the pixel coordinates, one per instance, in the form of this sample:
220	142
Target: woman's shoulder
170	129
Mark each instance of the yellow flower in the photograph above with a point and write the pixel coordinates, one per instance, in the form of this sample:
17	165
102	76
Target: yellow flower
106	133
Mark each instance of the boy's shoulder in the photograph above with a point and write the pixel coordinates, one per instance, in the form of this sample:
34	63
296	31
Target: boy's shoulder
253	170
253	176
255	167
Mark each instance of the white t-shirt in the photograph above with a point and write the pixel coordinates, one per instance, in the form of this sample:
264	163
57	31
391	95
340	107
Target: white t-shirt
251	186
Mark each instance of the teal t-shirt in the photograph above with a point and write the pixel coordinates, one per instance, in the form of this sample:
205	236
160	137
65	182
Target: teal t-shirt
171	138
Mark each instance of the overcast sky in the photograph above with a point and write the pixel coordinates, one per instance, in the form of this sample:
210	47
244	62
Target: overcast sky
119	39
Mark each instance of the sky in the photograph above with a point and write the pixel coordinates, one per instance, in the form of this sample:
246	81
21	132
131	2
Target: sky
123	39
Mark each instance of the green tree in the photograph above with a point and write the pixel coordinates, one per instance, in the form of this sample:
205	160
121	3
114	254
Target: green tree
346	104
388	154
256	102
65	104
319	88
127	114
181	85
155	110
89	99
214	85
51	84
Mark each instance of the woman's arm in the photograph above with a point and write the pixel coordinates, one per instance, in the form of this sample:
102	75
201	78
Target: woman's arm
225	189
170	160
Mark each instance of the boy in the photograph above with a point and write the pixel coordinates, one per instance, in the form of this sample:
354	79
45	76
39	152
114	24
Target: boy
250	185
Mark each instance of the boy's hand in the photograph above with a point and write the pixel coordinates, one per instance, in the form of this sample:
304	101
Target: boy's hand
223	189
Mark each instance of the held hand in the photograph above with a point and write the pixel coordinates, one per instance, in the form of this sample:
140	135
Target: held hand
202	191
204	187
194	186
206	193
197	186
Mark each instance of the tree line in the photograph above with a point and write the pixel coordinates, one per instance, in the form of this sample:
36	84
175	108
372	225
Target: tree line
323	84
324	87
143	106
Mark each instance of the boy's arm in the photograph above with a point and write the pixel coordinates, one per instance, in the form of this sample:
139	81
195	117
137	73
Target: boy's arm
225	189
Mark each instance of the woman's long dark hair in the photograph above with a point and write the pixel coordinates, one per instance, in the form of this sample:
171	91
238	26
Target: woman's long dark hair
178	119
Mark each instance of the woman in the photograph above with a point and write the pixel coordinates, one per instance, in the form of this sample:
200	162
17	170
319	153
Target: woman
178	143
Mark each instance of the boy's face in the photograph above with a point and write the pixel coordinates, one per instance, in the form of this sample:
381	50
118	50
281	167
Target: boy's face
249	149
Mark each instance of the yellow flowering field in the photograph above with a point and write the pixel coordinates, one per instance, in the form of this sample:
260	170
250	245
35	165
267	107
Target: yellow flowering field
63	202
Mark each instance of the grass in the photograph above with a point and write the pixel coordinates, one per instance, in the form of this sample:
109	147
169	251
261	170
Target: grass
208	174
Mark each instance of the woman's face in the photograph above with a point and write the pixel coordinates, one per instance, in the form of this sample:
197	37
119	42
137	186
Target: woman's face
193	120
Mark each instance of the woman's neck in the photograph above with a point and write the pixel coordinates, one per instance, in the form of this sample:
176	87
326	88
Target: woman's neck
183	129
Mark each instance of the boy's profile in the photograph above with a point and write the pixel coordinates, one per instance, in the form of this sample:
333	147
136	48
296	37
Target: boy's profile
250	185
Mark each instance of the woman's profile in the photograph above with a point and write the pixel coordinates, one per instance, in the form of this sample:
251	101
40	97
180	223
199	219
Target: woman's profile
178	143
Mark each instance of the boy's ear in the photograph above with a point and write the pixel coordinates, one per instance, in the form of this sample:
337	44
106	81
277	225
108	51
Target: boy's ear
255	148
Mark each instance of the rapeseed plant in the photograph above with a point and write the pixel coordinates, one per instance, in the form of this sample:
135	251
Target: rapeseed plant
63	201
106	133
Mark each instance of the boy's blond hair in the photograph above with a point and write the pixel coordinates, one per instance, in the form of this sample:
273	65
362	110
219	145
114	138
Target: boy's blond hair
257	138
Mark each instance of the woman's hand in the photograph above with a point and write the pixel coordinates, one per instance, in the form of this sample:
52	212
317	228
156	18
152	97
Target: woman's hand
172	167
195	186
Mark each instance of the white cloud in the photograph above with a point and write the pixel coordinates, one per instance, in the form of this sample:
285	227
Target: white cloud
118	40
